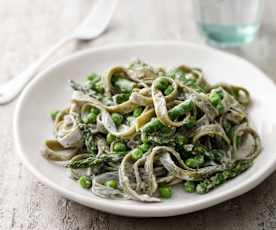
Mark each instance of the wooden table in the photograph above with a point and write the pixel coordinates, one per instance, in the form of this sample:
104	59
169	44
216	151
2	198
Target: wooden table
30	27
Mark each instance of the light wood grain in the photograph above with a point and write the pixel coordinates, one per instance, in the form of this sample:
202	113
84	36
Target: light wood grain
30	27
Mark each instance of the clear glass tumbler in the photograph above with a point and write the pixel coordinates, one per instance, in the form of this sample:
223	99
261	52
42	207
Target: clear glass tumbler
228	22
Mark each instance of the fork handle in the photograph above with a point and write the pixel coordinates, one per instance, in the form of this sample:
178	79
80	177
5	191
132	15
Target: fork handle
11	89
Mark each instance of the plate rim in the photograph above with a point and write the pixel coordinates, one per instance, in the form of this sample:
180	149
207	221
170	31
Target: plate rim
127	210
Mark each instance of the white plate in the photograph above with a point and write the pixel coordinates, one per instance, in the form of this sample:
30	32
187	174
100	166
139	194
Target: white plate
49	91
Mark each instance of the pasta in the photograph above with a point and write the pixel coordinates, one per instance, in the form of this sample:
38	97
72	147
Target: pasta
136	131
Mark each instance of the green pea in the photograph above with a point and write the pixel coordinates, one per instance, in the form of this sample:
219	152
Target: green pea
169	90
119	147
120	98
181	139
94	110
111	184
92	118
136	154
165	191
199	149
191	162
145	147
117	118
94	83
90	84
195	162
110	138
199	159
218	179
218	91
214	99
85	182
190	122
190	186
202	187
99	87
226	174
54	115
137	111
161	83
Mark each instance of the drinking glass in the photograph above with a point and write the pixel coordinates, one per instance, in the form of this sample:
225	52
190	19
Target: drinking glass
228	22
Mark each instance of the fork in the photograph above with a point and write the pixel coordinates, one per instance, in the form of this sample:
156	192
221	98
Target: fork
92	26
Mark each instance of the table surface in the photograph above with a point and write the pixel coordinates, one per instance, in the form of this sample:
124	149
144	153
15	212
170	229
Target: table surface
28	28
